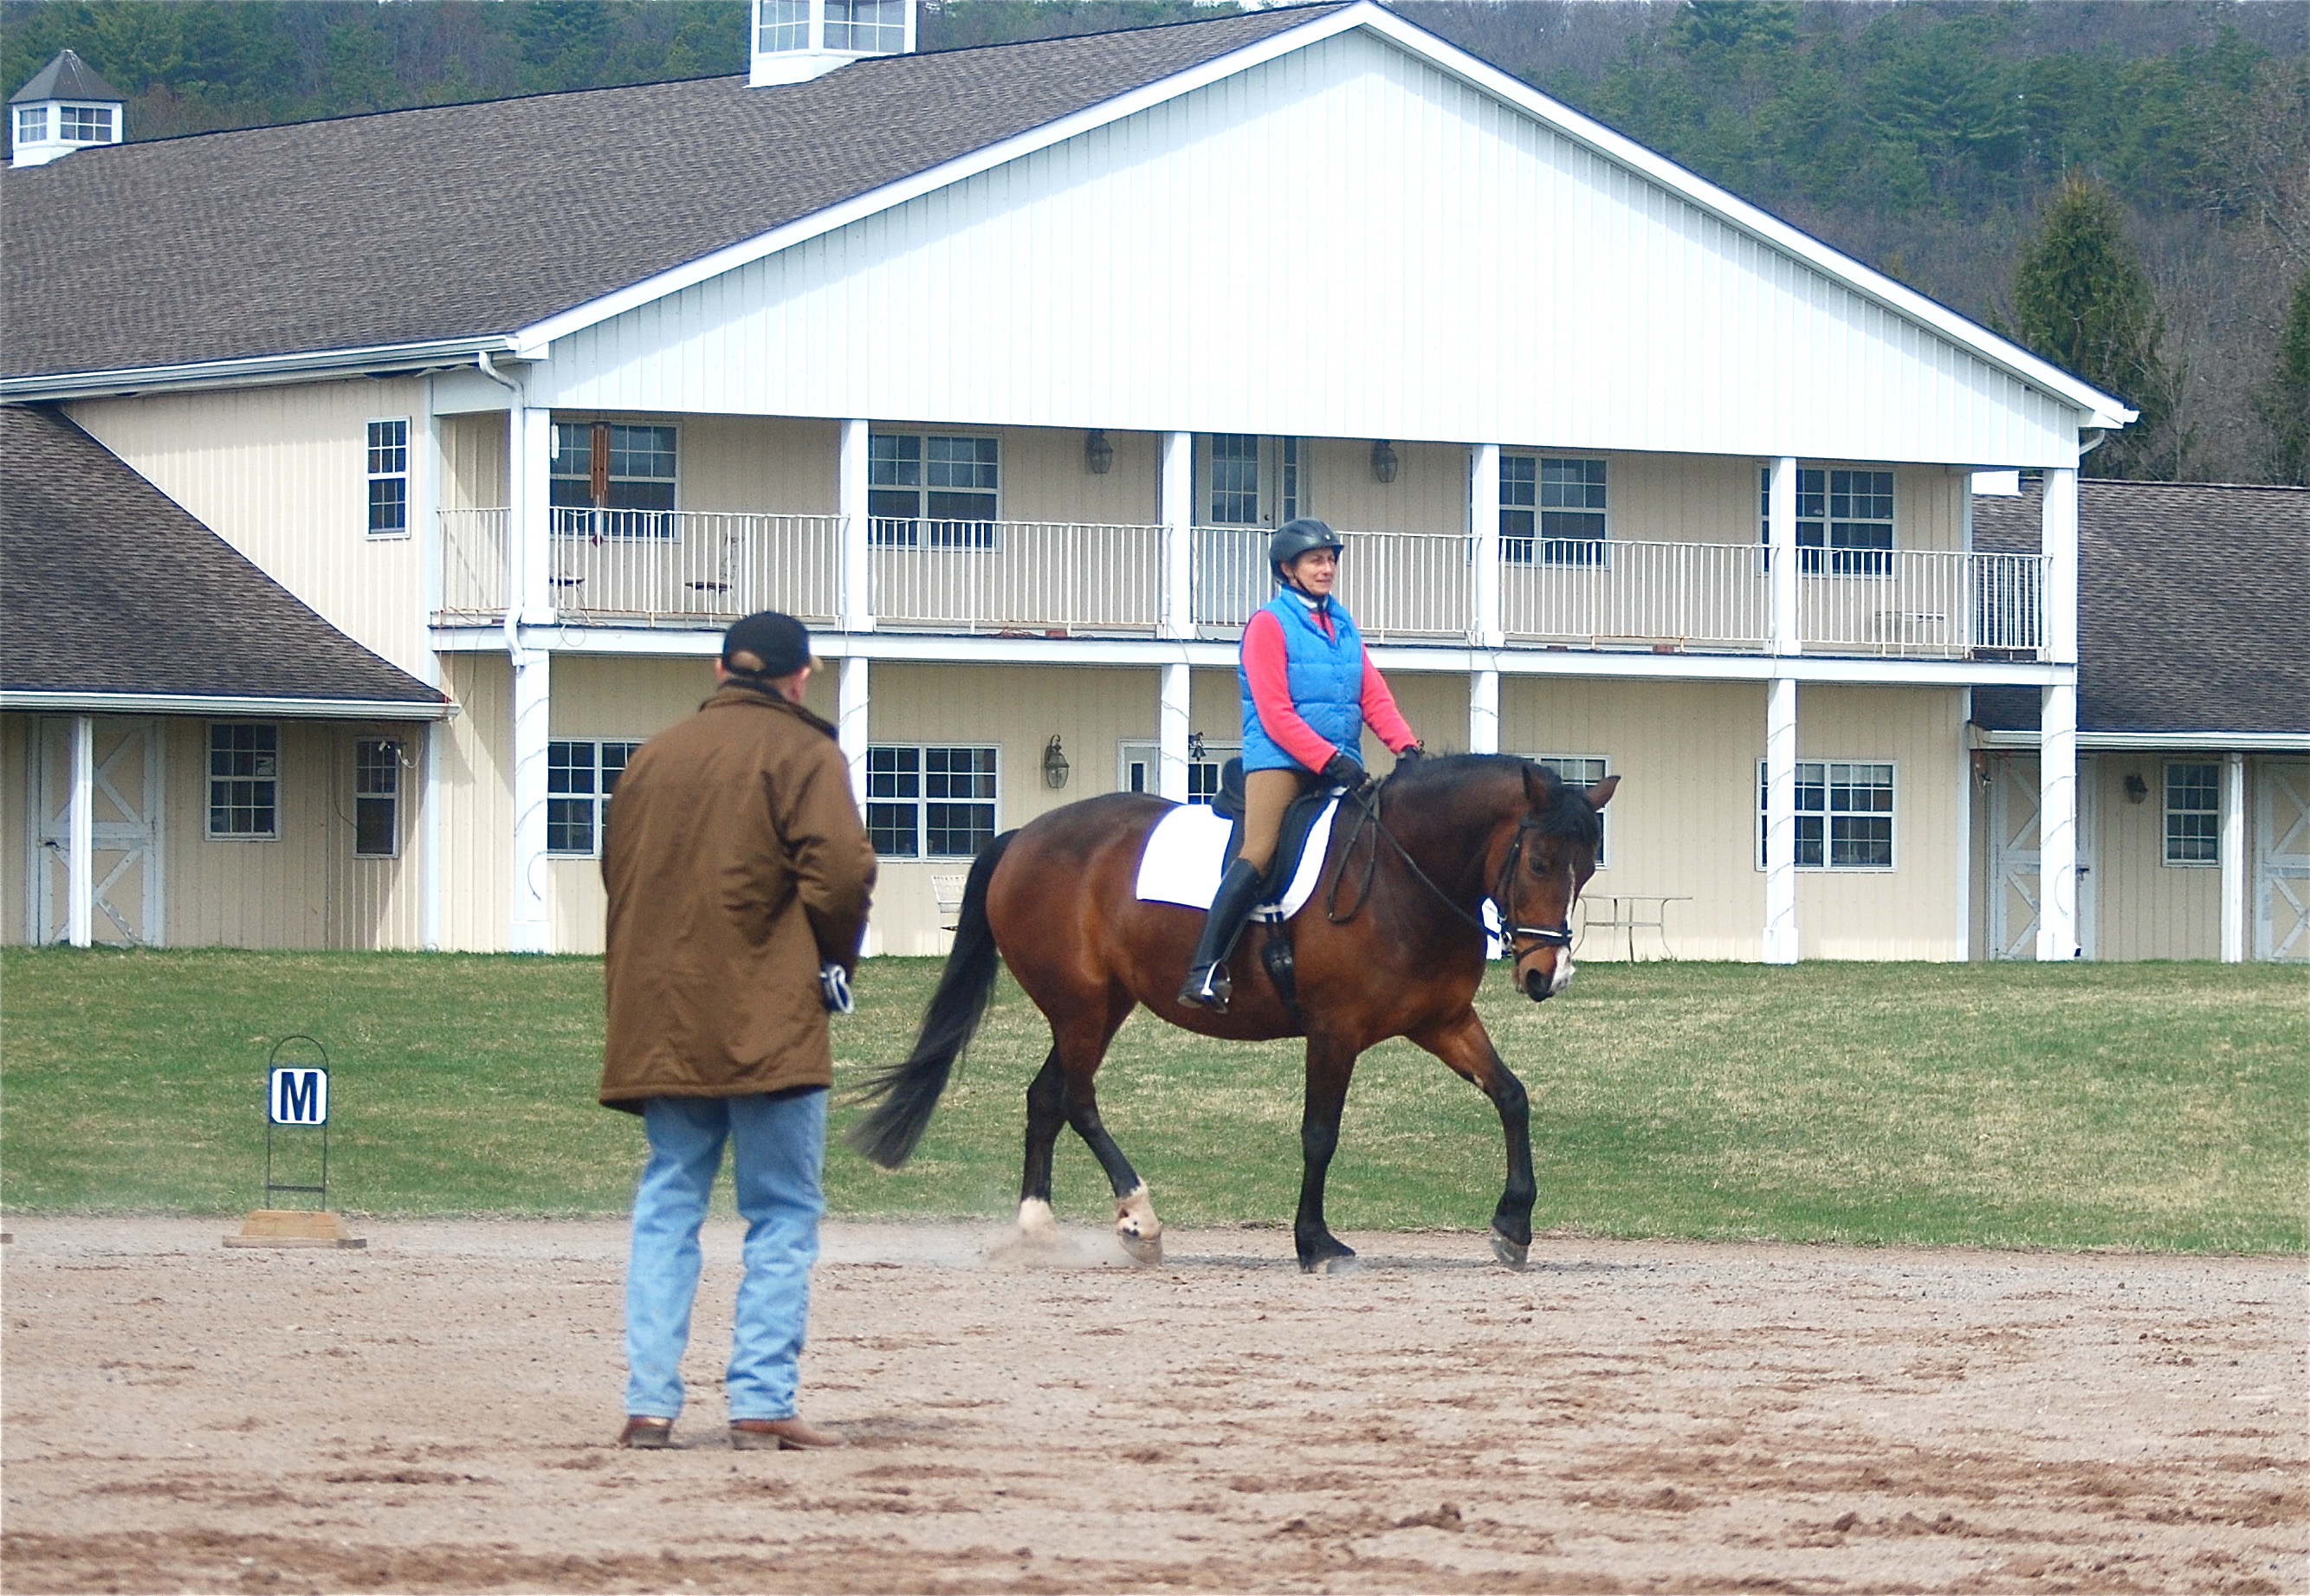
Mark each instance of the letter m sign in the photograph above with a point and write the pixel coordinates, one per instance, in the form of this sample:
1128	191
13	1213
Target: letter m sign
300	1097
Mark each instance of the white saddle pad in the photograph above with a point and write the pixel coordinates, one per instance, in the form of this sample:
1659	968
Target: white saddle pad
1182	861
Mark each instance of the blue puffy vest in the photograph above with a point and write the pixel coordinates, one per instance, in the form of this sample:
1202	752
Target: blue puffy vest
1327	683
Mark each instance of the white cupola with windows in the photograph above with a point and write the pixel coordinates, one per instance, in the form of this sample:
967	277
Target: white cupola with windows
796	40
66	107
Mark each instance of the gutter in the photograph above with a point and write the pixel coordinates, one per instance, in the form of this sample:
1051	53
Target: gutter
45	702
2219	741
378	359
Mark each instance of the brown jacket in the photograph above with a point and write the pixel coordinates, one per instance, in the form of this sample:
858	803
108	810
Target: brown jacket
736	865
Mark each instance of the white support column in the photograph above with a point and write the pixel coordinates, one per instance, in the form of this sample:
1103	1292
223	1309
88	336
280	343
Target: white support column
1484	712
2057	742
1781	820
432	468
851	723
2234	860
1176	492
80	840
1781	542
850	502
1964	812
1172	734
531	541
433	867
1484	535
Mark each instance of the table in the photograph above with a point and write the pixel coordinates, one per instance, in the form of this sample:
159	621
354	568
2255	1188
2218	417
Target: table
1629	912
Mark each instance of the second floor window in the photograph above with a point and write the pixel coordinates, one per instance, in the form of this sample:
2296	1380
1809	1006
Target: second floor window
1251	480
580	775
1551	511
1845	521
925	491
388	478
2193	813
612	479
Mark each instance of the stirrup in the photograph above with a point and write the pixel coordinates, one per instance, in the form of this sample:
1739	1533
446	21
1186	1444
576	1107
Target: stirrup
1211	992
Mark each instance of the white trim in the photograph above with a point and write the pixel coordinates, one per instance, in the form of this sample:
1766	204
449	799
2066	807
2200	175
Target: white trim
80	830
1964	812
119	381
2234	859
31	701
2177	741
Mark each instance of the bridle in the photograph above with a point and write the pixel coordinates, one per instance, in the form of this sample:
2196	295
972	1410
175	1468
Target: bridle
1511	932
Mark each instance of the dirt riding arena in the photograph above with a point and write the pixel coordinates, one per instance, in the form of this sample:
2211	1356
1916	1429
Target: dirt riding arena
434	1414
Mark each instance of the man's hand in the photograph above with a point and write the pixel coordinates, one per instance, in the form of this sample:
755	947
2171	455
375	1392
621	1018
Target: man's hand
1341	771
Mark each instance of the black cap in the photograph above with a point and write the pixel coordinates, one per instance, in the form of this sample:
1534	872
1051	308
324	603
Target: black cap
777	640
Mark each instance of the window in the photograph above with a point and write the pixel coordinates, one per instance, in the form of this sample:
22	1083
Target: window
1844	816
1551	511
388	479
87	123
612	480
32	123
786	25
1582	771
1845	521
877	25
377	798
1141	766
244	780
579	777
930	802
2193	814
1253	480
932	492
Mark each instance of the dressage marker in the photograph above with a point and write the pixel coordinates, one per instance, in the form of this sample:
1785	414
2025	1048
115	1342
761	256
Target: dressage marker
296	1095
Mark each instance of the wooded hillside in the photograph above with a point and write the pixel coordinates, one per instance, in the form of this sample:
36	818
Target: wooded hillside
1927	138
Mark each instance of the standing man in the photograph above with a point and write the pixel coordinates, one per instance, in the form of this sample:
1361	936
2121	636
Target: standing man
738	875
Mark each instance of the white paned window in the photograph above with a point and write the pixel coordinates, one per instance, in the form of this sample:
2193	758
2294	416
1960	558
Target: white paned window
580	776
1845	521
32	123
1844	815
930	802
388	478
929	491
2193	813
1141	767
784	25
244	780
878	26
87	123
1582	771
1251	480
612	479
1551	511
377	797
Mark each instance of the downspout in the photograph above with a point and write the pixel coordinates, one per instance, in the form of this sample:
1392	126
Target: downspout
520	393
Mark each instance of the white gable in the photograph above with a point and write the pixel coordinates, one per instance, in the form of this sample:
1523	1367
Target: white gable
1344	241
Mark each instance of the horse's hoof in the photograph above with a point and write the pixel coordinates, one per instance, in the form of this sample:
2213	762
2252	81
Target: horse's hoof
1147	1250
1136	1228
1511	1253
1329	1258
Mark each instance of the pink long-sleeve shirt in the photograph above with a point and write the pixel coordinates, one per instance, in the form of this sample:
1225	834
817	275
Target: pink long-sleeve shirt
1264	665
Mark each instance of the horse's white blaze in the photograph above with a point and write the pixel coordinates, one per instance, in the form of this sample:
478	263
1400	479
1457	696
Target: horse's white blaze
1563	976
1035	1218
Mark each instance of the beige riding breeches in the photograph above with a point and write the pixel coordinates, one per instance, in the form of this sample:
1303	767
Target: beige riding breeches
1266	794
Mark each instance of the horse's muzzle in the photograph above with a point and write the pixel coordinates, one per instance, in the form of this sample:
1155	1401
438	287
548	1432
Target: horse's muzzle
1539	986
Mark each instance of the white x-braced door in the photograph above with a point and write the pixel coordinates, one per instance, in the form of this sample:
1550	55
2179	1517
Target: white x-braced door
125	832
2282	888
2012	857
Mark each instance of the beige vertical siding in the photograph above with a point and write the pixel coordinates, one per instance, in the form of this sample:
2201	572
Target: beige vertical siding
1429	493
476	824
2144	908
473	462
280	473
19	839
1909	912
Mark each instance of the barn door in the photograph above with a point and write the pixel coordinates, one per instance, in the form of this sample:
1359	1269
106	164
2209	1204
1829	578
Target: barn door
126	831
2012	857
2281	889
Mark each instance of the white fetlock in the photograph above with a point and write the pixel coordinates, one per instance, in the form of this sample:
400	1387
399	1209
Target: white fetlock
1037	1223
1136	1225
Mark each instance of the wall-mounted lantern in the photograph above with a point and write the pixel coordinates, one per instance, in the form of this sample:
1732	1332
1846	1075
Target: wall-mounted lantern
2137	790
1098	453
1055	769
1384	462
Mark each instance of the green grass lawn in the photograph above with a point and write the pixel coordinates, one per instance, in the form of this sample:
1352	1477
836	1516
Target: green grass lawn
2136	1106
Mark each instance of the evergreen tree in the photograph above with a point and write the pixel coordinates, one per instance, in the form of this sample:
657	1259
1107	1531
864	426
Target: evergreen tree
2082	300
2282	404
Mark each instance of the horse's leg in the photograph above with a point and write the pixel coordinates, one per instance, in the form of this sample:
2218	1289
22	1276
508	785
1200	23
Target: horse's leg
1464	1045
1082	1045
1047	1115
1330	1064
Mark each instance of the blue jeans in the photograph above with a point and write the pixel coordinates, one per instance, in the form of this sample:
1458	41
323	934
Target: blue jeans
778	1145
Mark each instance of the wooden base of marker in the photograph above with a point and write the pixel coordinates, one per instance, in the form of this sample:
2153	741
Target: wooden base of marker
295	1228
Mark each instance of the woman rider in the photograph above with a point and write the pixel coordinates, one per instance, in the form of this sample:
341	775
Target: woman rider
1308	691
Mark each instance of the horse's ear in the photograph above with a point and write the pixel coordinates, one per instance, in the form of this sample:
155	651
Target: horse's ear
1538	779
1602	792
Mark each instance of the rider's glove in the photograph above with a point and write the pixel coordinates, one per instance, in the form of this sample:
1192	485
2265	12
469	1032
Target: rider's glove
834	987
1410	756
1341	771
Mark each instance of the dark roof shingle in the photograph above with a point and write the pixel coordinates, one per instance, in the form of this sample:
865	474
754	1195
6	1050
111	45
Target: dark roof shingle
108	586
468	220
2193	603
66	77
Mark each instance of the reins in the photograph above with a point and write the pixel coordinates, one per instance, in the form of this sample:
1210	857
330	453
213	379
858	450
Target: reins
1511	934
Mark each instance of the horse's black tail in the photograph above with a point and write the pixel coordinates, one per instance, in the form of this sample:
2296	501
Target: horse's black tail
905	1096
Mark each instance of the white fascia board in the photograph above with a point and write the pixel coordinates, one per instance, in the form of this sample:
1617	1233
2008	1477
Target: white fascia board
1849	670
41	702
2212	741
252	369
986	158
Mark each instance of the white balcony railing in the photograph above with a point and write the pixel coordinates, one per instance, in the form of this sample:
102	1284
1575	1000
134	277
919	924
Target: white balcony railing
671	565
1396	584
1712	596
1939	605
473	562
1041	577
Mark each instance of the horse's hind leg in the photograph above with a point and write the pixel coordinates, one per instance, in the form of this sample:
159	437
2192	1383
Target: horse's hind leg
1047	1115
1081	1046
1467	1047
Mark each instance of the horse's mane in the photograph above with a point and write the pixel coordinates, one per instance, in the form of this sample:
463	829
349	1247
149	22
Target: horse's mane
1566	813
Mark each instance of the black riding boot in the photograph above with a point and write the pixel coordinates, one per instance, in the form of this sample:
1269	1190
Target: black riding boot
1207	986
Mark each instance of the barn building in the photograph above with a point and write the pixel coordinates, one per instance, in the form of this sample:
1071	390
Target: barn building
997	365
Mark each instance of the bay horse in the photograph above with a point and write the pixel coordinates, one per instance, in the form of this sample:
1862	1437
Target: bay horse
1393	945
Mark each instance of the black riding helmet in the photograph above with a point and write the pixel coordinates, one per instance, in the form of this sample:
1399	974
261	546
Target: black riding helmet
1295	538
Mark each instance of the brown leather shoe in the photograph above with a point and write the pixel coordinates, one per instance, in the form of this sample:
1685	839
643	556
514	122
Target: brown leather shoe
780	1435
650	1434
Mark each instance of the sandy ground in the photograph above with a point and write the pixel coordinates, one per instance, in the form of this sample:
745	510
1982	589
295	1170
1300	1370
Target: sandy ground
435	1414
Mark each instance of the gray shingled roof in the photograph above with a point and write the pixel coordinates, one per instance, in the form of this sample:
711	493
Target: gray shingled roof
2193	607
68	77
108	586
476	220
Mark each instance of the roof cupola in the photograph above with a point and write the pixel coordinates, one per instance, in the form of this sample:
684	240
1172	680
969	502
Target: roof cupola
796	40
66	107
